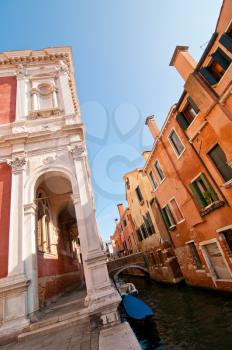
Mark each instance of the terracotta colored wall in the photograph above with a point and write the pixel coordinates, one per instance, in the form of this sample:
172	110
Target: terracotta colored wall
7	99
5	196
49	265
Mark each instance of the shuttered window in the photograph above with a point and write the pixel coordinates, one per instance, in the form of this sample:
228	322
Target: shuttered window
195	255
226	41
168	217
185	118
139	235
144	230
176	142
219	159
139	194
203	191
217	67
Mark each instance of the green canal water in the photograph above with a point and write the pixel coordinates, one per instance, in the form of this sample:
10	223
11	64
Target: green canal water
186	318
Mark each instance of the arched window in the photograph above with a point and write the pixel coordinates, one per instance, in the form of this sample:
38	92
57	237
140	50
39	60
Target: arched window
43	223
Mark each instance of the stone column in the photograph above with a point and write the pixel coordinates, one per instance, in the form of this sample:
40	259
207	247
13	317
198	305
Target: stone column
101	295
30	256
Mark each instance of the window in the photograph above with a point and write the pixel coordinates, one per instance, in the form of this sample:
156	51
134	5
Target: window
188	114
203	191
176	142
43	223
217	67
175	210
154	183
168	217
144	231
139	235
217	262
139	194
124	222
195	255
228	237
159	170
219	159
148	223
226	40
127	183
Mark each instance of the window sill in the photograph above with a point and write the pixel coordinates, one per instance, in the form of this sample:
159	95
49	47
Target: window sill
44	113
211	207
227	184
172	228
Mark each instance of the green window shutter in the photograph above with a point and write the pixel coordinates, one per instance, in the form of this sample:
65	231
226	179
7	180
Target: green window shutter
165	217
208	76
209	187
226	41
220	57
197	195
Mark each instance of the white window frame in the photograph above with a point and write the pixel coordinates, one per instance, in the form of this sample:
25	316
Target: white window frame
208	262
170	141
174	225
154	188
160	180
170	206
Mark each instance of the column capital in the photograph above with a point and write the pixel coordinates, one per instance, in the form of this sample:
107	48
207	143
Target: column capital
17	164
78	151
21	71
30	208
76	198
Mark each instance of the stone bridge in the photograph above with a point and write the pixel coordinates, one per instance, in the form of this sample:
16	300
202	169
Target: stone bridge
133	261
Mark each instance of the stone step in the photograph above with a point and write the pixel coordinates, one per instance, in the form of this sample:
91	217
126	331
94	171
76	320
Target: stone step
53	324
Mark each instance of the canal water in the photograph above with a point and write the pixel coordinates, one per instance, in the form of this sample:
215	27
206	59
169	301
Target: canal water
186	318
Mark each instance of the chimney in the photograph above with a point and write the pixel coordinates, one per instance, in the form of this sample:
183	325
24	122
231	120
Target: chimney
120	210
183	61
146	155
150	122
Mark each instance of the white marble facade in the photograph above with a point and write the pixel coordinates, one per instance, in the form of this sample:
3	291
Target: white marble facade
47	139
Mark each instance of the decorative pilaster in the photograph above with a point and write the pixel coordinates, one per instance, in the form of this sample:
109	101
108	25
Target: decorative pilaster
15	258
21	97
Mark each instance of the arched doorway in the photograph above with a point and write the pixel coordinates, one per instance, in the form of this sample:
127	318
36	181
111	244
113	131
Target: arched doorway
59	262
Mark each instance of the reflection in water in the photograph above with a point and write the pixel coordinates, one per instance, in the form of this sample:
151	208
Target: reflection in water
186	318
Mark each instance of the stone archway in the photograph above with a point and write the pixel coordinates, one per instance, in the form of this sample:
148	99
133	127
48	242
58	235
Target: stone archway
58	247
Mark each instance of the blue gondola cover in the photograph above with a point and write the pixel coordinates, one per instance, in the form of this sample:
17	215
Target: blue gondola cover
136	308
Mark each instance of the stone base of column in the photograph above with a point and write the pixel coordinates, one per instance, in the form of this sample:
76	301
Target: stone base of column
13	310
102	297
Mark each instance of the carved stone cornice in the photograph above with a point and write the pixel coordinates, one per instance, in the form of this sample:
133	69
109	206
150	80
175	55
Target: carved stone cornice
17	164
29	58
78	152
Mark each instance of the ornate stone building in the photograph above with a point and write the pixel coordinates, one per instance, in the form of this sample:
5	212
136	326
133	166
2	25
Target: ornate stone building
48	234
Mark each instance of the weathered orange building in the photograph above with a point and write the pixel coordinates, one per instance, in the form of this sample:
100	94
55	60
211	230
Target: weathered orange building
190	163
152	235
124	236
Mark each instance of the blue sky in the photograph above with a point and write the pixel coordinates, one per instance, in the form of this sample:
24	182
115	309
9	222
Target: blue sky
122	51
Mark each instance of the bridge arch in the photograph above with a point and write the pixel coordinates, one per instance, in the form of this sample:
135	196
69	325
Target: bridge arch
145	270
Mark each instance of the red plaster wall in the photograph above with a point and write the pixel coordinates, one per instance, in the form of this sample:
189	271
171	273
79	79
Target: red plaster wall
5	195
49	265
7	99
